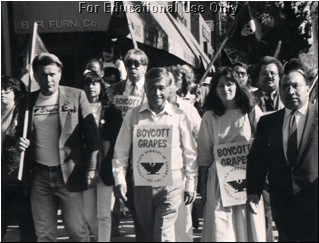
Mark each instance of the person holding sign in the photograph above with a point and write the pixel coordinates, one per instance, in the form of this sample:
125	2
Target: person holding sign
223	143
125	95
129	93
156	140
286	149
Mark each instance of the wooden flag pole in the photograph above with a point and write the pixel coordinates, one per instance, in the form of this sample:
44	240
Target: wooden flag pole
313	84
278	49
228	36
213	60
26	115
130	27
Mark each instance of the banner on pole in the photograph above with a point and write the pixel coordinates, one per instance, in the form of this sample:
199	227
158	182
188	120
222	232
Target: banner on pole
231	162
152	145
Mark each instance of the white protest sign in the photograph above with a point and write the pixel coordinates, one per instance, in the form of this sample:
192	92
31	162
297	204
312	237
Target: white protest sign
152	145
231	163
125	102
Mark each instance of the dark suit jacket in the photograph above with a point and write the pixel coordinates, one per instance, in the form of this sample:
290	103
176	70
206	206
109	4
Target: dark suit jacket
109	127
79	137
118	89
260	101
293	189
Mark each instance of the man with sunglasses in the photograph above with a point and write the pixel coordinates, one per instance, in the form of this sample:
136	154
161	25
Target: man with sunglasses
136	63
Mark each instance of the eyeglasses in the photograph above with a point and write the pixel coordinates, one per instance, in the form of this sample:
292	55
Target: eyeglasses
267	74
240	74
130	63
6	90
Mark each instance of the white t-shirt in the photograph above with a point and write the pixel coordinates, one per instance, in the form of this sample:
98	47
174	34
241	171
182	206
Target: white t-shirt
46	130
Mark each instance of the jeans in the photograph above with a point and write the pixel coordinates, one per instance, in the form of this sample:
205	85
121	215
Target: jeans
48	192
97	210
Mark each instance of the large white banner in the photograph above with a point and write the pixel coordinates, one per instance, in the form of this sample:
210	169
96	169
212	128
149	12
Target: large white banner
152	155
231	163
125	102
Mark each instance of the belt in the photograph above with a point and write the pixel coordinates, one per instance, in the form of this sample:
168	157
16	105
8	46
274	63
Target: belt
51	168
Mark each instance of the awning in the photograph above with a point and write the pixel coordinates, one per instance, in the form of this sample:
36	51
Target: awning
154	26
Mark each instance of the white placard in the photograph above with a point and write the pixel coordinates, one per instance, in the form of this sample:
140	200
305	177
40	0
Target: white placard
125	102
152	149
231	163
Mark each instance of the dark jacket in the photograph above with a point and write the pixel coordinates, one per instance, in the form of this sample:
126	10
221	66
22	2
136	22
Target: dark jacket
109	127
293	189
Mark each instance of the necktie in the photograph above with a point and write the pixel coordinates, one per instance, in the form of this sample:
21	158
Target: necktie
292	147
134	91
269	102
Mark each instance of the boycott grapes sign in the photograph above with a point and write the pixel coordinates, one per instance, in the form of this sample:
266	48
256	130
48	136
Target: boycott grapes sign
152	145
231	163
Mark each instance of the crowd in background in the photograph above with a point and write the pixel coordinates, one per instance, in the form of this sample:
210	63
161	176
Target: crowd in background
79	150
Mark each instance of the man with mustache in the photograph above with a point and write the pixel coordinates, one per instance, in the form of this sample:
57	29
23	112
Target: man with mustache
268	73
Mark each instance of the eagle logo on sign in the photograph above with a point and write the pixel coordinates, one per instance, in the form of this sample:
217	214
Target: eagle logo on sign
152	168
238	185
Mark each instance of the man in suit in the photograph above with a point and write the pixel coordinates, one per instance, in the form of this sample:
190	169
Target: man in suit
268	73
61	151
286	148
136	63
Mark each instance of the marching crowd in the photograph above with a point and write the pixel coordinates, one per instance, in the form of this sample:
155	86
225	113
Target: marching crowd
82	154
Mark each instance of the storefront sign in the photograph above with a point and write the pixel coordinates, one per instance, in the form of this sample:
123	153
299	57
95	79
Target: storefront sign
152	155
59	16
231	162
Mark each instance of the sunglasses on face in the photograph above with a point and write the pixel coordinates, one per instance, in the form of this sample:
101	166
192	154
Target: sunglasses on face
130	63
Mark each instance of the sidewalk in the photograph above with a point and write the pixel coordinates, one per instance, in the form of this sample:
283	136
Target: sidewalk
126	229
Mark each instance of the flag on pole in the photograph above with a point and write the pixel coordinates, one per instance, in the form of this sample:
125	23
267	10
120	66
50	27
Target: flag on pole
36	48
245	36
39	47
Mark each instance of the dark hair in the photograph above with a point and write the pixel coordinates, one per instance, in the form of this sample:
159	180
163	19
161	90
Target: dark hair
247	68
265	61
243	97
111	46
45	59
158	74
136	52
241	64
108	71
186	74
92	77
294	64
93	60
16	85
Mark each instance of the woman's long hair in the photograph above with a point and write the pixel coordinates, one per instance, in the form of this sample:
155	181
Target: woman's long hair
92	77
243	98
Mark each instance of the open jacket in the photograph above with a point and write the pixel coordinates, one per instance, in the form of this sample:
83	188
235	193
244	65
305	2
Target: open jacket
78	137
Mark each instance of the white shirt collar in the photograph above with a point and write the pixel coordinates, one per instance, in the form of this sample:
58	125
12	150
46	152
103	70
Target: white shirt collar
167	108
139	84
302	110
